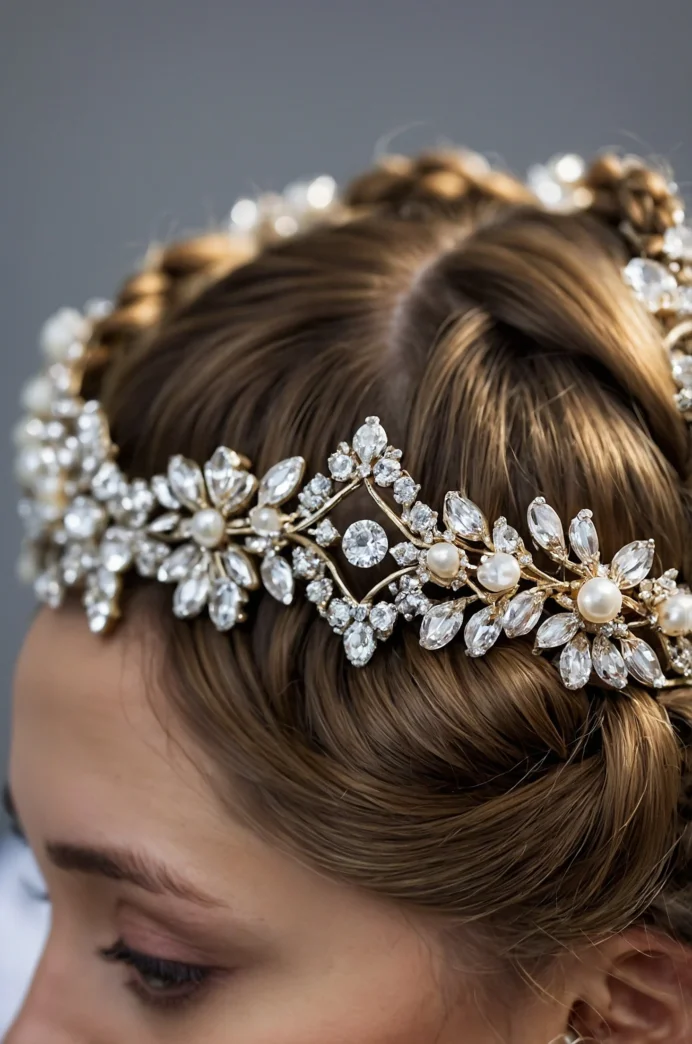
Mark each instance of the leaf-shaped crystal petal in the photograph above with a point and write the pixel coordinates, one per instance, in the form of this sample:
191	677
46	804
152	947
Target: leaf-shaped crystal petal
225	602
281	481
505	537
359	643
651	282
523	613
641	661
240	568
441	624
221	473
546	528
583	537
191	596
370	441
163	493
482	631
116	549
187	482
277	578
632	563
464	518
575	662
608	662
180	563
557	630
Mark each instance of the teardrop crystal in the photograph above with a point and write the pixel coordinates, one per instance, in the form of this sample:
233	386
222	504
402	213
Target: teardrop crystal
557	630
225	601
641	661
546	528
277	578
632	563
370	441
608	662
441	624
359	643
583	537
179	564
187	482
464	518
505	537
523	613
281	481
240	568
575	662
190	596
482	631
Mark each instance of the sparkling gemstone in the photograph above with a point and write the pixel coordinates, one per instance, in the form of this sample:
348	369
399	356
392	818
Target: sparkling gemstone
265	520
339	615
166	523
190	596
410	600
92	427
677	243
364	543
505	537
325	533
320	486
180	563
651	281
149	556
240	567
277	578
49	589
599	600
341	466
422	518
220	474
116	549
523	613
405	490
632	563
546	527
684	300
386	471
482	631
370	441
309	502
583	537
83	518
137	502
499	572
575	662
281	481
307	564
441	624
208	527
443	559
359	643
683	400
383	617
642	662
463	518
557	630
319	591
61	331
405	554
682	369
186	482
608	662
258	545
98	616
225	601
108	583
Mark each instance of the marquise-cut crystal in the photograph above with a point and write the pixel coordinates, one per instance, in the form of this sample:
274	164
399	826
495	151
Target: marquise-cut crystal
608	662
546	527
370	441
463	518
116	549
240	567
404	554
108	482
557	630
651	281
505	537
339	614
386	471
180	563
149	556
641	661
677	243
225	601
164	494
190	596
583	537
277	577
166	523
364	543
523	613
281	481
482	631
186	481
359	643
383	616
632	563
222	473
441	624
575	662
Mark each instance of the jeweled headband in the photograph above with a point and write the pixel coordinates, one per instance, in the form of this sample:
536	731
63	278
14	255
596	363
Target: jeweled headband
216	532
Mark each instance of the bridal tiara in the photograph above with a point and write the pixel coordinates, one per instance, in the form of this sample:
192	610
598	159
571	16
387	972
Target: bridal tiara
217	533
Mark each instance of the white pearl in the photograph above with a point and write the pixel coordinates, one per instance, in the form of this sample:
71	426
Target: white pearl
499	572
443	560
37	396
28	465
599	600
60	332
675	614
265	520
208	527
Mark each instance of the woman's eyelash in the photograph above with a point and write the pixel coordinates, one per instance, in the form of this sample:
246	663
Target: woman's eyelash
160	983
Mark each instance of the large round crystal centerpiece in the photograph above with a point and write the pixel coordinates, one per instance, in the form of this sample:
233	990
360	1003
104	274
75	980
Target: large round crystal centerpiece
365	543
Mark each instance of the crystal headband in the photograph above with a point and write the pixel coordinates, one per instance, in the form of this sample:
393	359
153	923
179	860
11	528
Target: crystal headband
218	533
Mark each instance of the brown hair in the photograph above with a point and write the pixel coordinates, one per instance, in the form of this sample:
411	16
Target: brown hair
505	356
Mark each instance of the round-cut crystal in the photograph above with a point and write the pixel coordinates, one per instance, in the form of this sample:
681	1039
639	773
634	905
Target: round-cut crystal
405	490
339	614
365	543
651	281
83	518
341	466
386	471
383	617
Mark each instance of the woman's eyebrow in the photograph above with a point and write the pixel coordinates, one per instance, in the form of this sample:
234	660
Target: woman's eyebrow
121	864
9	807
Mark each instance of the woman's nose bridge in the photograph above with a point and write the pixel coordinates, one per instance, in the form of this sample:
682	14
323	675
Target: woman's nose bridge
48	1014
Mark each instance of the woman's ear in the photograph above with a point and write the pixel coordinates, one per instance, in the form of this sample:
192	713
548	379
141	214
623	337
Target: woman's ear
639	991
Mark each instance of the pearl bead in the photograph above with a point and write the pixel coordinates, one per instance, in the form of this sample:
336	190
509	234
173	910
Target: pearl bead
265	520
208	527
599	600
500	572
37	396
675	614
443	560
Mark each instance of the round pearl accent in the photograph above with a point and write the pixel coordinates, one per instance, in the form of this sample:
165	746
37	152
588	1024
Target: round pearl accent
500	572
599	600
265	520
208	527
443	560
675	614
37	396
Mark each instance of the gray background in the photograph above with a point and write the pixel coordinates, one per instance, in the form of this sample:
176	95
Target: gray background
128	120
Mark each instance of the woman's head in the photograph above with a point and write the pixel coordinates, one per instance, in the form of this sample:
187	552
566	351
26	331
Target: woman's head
410	837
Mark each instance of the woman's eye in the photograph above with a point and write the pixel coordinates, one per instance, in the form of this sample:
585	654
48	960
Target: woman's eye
158	982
